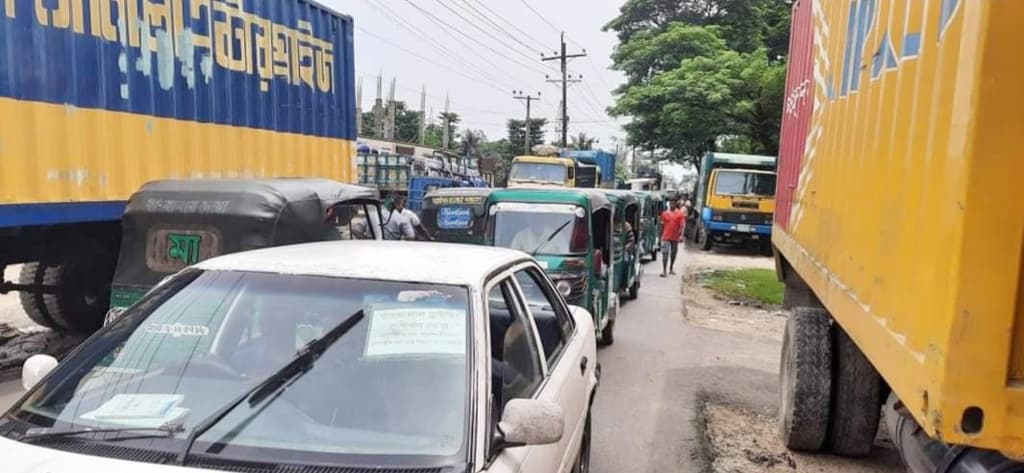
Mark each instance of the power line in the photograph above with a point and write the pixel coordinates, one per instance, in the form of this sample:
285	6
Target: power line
407	25
498	27
563	60
430	61
469	37
488	33
542	17
511	24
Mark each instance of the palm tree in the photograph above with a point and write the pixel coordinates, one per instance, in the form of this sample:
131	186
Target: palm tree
582	142
471	141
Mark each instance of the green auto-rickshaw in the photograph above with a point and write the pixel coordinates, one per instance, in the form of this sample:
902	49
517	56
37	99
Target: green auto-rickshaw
650	223
457	214
570	233
627	235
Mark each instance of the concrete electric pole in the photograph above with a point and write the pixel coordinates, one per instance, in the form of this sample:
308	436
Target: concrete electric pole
566	79
518	95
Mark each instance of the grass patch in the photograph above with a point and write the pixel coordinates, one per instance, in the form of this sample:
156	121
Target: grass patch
757	285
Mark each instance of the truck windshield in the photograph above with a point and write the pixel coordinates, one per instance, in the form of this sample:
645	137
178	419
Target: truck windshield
539	172
550	229
745	183
395	384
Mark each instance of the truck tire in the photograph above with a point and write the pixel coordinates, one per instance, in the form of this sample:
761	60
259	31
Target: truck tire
82	294
704	239
806	379
32	301
856	401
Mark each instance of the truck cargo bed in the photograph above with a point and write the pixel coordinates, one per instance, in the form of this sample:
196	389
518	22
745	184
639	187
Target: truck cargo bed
94	105
897	200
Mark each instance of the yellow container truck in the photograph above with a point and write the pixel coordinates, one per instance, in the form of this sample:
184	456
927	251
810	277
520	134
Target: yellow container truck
899	230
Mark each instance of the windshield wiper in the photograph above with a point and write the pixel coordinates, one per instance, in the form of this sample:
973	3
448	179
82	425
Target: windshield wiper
299	365
143	431
551	237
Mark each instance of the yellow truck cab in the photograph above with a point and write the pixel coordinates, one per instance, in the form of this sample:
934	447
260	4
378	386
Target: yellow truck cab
542	171
736	200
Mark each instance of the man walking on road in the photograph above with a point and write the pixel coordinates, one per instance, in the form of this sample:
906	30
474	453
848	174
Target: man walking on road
672	221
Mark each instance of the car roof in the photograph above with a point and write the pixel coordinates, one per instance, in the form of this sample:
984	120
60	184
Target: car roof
433	263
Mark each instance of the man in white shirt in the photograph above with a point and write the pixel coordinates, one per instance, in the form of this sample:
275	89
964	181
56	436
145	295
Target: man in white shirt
402	223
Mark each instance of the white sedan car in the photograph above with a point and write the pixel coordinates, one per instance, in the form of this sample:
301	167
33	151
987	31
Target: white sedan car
327	357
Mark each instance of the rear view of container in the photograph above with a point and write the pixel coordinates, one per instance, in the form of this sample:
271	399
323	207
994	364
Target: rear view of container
99	97
898	227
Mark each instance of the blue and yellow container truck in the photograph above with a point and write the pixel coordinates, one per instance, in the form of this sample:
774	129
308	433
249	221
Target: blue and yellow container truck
99	97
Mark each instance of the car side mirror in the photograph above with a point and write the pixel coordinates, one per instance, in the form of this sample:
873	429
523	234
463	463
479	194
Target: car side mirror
35	369
530	422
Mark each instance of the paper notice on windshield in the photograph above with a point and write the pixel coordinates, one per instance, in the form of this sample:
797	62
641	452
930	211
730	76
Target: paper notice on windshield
141	410
416	331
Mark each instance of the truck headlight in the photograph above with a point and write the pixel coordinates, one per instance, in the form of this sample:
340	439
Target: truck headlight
564	287
716	217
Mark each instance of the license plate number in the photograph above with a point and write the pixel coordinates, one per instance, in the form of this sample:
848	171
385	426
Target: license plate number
744	228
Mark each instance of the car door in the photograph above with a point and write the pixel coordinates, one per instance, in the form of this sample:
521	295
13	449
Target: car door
517	370
569	367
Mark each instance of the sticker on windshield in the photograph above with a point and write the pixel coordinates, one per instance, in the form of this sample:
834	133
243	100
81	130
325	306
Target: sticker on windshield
141	410
454	218
416	331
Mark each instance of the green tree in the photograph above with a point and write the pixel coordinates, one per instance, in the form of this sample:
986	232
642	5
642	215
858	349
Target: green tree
434	135
582	141
472	142
407	124
698	71
746	24
517	132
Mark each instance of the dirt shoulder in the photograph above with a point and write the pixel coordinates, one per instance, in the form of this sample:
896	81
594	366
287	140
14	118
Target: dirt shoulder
739	389
741	441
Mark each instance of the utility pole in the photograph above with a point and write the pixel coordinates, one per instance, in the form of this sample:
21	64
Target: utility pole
447	123
566	79
378	109
423	116
389	119
359	107
518	95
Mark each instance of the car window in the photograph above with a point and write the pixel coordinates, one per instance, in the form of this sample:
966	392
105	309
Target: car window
549	314
515	358
397	383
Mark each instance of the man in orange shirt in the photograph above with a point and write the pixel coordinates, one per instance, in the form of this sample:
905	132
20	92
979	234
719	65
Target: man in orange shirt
672	222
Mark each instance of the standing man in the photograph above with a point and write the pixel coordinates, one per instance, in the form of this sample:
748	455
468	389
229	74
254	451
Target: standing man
404	224
672	221
399	225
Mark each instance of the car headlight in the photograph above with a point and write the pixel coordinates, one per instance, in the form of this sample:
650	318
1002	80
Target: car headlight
564	287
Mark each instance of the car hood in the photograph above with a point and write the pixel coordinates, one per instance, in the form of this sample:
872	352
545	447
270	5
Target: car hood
24	458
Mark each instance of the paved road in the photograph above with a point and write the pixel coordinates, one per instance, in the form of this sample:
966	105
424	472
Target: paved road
646	408
645	417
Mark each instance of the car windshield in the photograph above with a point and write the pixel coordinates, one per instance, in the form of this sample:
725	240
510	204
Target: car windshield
540	172
394	385
551	229
745	183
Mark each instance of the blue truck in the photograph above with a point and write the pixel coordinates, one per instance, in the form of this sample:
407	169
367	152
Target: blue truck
99	97
604	161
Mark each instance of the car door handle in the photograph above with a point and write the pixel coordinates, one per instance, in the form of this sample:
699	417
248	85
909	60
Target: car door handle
583	365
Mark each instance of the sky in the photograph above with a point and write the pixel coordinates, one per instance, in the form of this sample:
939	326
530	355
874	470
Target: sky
477	52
